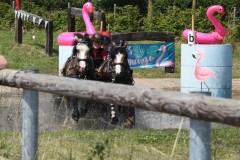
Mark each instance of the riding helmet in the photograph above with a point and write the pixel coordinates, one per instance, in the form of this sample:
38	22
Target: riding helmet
97	37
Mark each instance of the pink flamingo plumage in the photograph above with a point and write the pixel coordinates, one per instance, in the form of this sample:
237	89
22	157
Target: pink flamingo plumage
88	8
214	37
202	74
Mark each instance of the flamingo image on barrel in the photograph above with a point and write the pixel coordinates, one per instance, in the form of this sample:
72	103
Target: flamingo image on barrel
214	37
202	73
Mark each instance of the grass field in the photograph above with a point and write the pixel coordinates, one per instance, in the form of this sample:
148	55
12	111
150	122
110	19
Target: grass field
119	144
135	144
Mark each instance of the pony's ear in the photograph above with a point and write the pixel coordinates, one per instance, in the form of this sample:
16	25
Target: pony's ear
75	42
78	36
125	44
113	43
86	36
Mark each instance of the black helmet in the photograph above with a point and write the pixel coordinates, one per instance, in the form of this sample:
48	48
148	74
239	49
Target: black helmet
97	37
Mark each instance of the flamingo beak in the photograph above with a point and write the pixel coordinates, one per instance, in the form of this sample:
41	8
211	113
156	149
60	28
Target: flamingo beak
91	10
222	13
194	55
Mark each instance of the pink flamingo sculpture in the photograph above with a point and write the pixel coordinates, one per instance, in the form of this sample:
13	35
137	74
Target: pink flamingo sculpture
202	74
214	37
88	8
67	38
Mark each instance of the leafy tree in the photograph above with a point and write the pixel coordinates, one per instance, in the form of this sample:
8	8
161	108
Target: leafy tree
125	20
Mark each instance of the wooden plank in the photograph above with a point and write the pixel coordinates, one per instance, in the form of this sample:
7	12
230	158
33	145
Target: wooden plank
139	36
214	109
96	15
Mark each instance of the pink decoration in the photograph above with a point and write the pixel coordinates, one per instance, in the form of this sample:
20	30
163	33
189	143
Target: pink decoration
67	38
202	74
214	37
88	8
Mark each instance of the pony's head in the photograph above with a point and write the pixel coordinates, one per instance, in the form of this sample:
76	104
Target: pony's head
119	55
81	51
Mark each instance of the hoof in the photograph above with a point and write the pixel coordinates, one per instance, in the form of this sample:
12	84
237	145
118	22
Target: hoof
75	115
83	113
114	120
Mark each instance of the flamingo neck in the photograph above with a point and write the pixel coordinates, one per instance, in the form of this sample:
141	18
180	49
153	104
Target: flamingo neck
198	61
87	21
217	25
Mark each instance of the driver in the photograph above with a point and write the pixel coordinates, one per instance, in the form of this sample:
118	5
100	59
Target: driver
99	54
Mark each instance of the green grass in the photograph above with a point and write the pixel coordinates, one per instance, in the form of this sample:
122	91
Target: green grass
135	144
31	54
132	144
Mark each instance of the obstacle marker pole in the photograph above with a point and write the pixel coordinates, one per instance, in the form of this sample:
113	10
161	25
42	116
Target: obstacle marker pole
191	35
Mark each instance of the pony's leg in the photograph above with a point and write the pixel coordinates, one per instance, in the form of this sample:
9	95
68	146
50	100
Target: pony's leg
82	107
67	108
114	117
75	113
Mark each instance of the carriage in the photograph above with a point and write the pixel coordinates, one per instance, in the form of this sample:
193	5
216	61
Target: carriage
114	69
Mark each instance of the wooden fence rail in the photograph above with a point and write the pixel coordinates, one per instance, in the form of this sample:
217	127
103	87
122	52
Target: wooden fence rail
221	110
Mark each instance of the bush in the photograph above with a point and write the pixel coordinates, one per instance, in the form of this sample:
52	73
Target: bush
126	19
7	16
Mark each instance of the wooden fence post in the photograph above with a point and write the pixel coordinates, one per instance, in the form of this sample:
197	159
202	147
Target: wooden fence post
49	38
30	123
101	21
71	19
18	33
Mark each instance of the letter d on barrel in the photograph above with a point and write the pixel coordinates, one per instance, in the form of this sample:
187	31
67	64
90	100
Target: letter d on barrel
191	37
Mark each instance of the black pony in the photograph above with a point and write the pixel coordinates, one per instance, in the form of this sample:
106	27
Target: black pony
115	69
79	65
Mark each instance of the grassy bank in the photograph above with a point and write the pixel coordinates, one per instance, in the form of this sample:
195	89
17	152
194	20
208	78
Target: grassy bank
31	54
132	144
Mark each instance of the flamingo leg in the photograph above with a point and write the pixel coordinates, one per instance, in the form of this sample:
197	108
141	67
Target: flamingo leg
207	86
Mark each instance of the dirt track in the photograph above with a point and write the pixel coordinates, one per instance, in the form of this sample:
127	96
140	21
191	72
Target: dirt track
172	83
